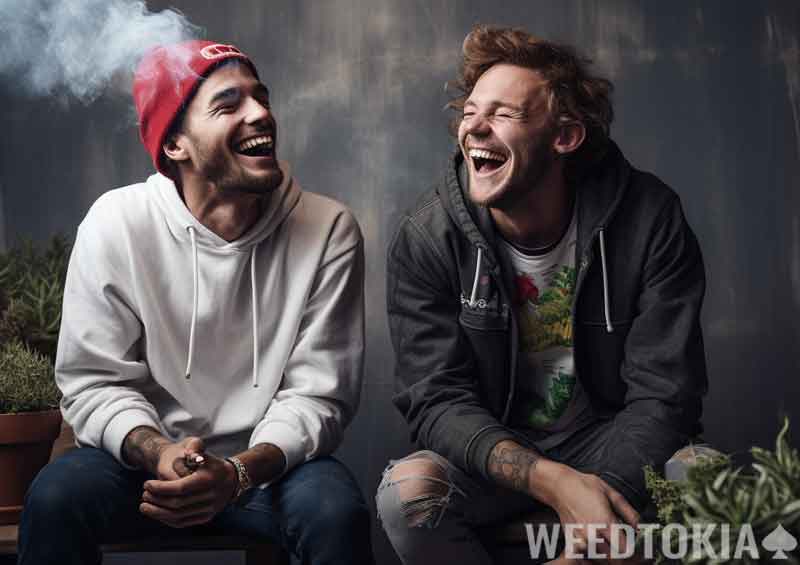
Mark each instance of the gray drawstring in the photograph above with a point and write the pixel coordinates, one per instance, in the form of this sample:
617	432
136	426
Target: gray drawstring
195	277
477	277
190	229
606	305
255	314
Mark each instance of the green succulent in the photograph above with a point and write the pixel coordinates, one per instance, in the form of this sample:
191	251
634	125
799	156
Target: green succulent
27	381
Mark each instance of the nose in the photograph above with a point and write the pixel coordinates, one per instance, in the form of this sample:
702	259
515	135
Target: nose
476	125
256	111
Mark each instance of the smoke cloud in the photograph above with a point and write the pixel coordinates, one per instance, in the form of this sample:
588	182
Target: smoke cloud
81	48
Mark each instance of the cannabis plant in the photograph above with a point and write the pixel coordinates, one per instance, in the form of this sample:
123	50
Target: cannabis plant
31	291
763	498
27	382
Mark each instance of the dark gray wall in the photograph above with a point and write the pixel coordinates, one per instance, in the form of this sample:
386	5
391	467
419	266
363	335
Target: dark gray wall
707	97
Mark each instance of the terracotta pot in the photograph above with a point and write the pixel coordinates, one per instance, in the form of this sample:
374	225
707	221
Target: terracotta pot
25	443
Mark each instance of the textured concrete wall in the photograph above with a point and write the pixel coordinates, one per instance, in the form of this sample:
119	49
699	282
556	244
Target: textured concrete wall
707	97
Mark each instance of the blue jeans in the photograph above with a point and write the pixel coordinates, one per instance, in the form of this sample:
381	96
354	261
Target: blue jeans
86	498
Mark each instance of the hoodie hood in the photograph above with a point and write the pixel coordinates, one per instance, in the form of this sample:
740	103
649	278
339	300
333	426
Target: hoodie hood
179	219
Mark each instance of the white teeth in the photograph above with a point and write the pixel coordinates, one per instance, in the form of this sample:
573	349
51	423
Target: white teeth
484	154
255	141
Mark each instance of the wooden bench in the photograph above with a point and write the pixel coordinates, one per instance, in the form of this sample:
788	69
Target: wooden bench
256	552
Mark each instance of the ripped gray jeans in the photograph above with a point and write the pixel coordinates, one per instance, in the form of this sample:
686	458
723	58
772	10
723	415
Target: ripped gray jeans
430	508
435	524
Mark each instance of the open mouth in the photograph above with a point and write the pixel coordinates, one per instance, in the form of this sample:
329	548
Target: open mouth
256	146
485	161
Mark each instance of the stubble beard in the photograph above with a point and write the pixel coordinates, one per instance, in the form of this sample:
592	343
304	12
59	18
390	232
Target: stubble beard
216	168
542	159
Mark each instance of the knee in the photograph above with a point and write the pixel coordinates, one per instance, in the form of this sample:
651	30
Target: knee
47	494
343	515
60	489
414	493
50	501
332	530
341	508
677	467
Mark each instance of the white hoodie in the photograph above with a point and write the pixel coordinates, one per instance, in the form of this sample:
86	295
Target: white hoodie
131	296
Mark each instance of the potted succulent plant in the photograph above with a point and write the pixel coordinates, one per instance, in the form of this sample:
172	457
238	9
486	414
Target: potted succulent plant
31	290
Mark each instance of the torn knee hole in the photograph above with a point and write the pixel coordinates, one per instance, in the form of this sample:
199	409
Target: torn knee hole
424	511
424	491
416	487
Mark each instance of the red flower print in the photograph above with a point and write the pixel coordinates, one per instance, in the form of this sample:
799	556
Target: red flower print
526	290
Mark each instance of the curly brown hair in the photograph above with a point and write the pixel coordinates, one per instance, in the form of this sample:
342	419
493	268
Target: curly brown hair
573	92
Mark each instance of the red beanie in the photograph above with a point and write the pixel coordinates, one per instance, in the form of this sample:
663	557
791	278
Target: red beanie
165	81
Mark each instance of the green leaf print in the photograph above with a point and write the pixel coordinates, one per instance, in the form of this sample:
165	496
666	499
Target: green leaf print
559	394
554	313
565	280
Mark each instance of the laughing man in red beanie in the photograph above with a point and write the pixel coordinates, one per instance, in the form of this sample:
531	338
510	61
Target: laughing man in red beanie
211	348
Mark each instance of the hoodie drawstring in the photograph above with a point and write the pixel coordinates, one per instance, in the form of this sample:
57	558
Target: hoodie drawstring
477	277
255	314
606	303
190	355
195	277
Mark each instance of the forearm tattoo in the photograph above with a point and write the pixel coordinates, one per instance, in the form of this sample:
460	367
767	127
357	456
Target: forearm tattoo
511	465
142	448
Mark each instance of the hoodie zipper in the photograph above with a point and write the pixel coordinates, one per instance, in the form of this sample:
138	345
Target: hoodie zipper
514	344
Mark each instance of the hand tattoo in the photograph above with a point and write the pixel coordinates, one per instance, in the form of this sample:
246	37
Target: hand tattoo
511	464
142	448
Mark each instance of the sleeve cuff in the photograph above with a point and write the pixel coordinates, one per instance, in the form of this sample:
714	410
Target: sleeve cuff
631	494
481	446
285	438
120	426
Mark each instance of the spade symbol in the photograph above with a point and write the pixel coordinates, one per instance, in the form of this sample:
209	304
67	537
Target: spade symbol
780	541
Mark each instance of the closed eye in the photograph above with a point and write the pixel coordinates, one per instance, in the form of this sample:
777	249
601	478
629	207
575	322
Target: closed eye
225	100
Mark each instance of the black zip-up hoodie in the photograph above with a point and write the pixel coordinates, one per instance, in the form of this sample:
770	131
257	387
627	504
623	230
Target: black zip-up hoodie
638	345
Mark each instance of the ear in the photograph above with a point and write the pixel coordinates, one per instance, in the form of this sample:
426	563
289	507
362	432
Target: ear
570	136
175	148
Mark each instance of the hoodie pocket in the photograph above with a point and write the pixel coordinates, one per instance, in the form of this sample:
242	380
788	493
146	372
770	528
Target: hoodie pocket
483	319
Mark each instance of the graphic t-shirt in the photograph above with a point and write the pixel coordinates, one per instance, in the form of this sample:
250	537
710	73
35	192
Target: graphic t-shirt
548	398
